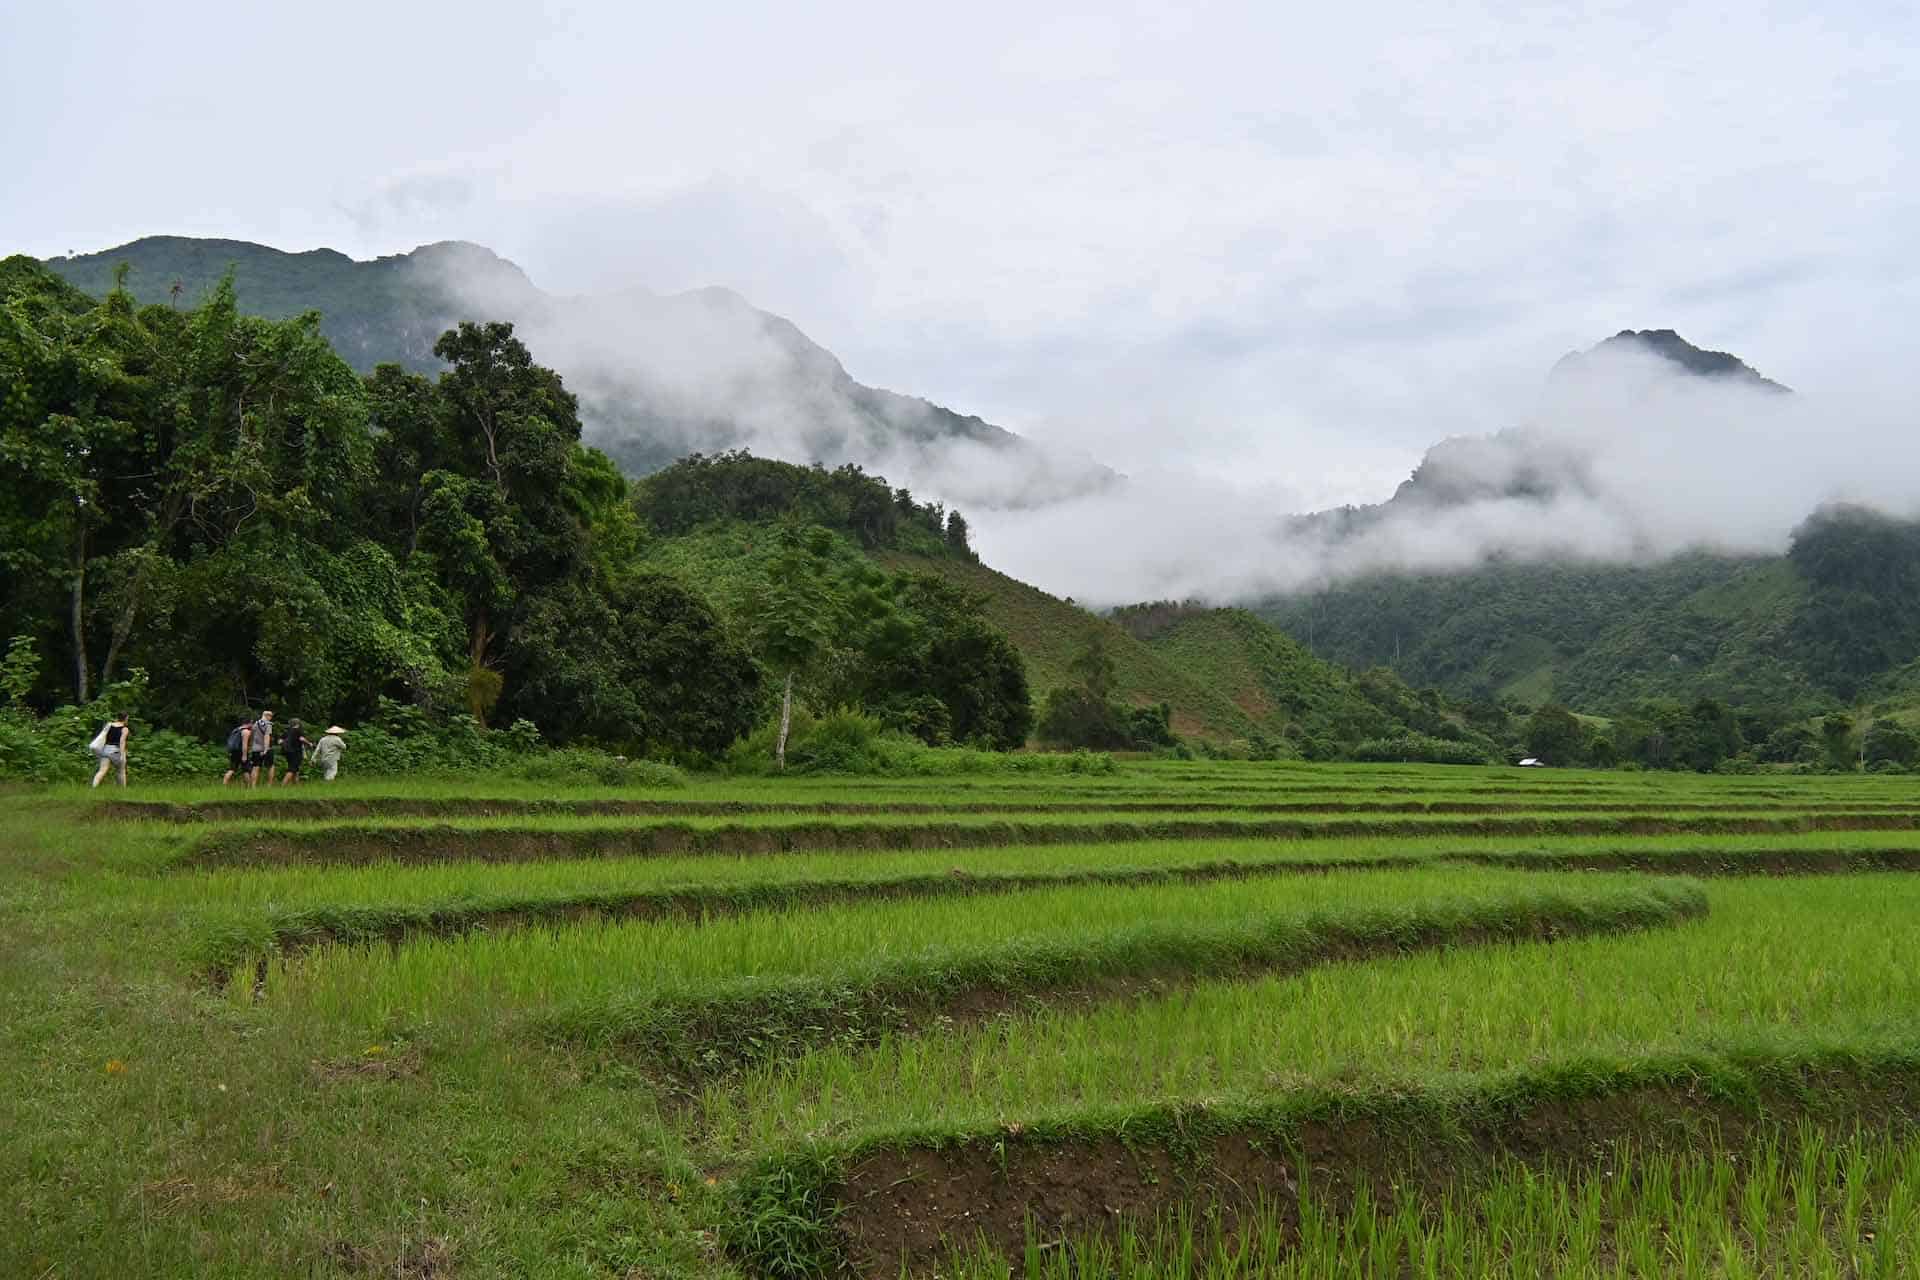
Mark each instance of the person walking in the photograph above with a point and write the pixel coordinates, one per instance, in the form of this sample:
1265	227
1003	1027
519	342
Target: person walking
326	752
110	745
293	747
237	750
260	750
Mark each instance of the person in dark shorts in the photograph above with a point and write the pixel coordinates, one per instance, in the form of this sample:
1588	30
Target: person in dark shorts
237	748
260	750
293	749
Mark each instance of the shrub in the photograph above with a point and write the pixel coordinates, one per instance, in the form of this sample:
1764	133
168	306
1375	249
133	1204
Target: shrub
25	753
162	753
1417	747
852	742
581	766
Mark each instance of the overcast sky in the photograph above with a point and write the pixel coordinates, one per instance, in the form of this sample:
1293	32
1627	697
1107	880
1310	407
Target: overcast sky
1280	246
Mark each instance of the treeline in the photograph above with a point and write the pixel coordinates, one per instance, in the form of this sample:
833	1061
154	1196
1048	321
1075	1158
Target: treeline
701	489
1707	735
217	502
1792	636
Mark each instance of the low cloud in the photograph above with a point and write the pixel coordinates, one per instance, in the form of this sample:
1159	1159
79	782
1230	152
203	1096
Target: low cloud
662	376
1630	461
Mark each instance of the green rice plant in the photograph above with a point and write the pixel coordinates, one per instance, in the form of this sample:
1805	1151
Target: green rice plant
768	985
1830	961
520	840
1458	1178
1649	1214
244	915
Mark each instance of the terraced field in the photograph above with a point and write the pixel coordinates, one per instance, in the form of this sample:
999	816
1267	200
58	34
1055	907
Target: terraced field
1186	1019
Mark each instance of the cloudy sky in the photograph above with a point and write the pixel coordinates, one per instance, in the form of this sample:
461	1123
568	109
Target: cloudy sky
1279	247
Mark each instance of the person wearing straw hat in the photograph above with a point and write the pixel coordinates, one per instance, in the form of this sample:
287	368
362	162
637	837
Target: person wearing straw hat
326	752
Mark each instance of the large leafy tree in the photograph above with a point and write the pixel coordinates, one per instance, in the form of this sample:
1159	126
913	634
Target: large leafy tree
642	661
496	513
933	648
68	412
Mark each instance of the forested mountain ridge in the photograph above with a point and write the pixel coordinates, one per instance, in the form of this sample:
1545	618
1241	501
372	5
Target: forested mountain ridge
658	377
1792	634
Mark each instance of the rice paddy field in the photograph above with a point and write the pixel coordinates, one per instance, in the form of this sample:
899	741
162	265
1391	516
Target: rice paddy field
1179	1019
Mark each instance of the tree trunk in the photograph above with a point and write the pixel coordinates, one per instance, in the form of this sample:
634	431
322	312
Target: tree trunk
76	612
478	639
786	722
123	625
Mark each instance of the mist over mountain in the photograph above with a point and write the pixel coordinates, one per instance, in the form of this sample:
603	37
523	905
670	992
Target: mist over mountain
658	377
1639	449
1591	404
1633	432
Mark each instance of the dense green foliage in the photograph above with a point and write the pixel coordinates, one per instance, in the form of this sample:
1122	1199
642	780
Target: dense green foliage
1785	637
1305	706
218	502
915	650
701	490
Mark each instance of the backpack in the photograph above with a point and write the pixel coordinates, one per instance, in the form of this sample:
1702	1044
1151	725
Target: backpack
234	739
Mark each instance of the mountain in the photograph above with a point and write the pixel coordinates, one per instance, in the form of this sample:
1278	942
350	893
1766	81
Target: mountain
1667	346
659	377
1828	622
1554	456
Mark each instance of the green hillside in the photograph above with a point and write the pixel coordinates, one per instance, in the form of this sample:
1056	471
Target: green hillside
1049	631
387	309
1828	622
1268	676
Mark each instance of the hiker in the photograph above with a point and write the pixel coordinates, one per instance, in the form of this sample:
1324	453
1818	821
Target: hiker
260	749
293	746
326	752
110	745
237	747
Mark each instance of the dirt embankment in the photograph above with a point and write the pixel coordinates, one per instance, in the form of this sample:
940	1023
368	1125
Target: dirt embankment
377	807
902	1208
336	846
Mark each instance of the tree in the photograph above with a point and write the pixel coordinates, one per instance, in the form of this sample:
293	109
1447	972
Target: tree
934	643
795	614
958	536
640	663
1789	744
1709	734
1890	742
1085	715
1555	735
1836	740
67	420
1094	665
